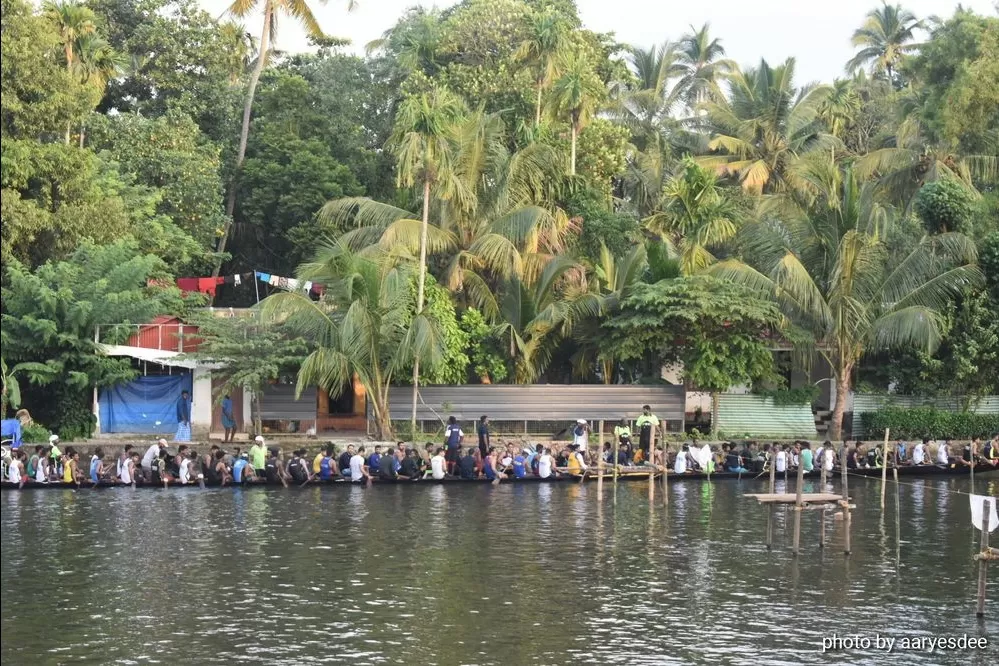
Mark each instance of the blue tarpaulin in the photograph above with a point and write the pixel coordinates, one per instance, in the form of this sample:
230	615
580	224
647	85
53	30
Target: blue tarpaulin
11	429
145	405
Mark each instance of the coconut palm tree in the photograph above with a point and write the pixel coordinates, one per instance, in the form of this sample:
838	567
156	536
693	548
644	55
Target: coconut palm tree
827	267
764	125
73	21
301	11
696	214
363	325
840	107
241	49
700	57
422	139
911	159
543	48
577	93
885	36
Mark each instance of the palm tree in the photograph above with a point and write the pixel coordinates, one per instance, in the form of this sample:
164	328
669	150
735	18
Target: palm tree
577	92
840	107
73	21
912	159
422	139
10	396
241	49
96	64
764	126
546	42
885	37
696	213
700	57
296	9
647	109
827	267
361	326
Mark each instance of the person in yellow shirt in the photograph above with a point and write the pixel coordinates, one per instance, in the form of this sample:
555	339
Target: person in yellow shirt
647	425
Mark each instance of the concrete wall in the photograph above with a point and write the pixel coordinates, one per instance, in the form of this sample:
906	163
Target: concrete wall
201	403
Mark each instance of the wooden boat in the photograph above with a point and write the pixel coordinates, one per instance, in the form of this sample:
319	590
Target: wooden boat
625	474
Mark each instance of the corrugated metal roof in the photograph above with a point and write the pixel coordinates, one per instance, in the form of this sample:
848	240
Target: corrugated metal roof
278	403
872	402
740	415
539	402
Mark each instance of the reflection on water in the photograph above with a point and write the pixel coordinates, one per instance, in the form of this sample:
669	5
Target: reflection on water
515	574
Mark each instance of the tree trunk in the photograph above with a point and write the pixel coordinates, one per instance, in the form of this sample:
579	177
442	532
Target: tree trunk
69	70
383	418
572	152
419	296
537	110
842	394
714	414
244	134
258	425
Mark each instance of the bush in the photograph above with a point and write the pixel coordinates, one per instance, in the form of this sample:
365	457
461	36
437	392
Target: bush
35	433
929	422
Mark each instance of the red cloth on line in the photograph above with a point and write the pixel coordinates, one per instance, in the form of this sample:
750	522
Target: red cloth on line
219	280
187	284
207	286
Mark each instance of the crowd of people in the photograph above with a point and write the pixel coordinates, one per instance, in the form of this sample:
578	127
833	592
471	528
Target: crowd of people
158	465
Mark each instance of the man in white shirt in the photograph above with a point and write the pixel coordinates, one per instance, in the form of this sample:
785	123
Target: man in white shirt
545	464
780	461
919	452
828	457
358	469
580	436
151	454
943	453
680	465
438	464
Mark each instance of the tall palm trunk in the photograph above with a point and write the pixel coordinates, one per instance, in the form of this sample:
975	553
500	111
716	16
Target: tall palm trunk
842	395
244	134
537	109
69	69
572	151
419	296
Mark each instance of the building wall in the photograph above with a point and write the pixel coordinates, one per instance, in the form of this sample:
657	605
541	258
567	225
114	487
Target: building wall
201	403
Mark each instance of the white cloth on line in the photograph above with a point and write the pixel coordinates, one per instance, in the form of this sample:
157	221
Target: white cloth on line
236	280
292	284
308	286
976	511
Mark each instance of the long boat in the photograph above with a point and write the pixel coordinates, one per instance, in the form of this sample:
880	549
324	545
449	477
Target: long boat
630	474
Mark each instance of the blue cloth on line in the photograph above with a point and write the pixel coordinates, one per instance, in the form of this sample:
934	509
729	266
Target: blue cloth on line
263	277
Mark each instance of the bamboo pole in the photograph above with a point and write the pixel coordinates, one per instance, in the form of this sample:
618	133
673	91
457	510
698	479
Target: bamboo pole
770	508
665	462
652	478
983	562
822	514
600	462
884	468
973	447
617	445
798	503
846	501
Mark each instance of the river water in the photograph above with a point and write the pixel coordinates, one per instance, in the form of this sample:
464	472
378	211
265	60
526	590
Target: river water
515	574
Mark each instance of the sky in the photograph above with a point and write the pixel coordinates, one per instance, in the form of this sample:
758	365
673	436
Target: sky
815	32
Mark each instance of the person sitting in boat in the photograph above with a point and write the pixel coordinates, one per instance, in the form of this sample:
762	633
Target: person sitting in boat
297	469
921	452
990	454
71	468
241	469
343	463
546	464
410	467
943	453
468	464
682	462
358	469
519	466
388	470
733	462
532	458
491	464
624	455
874	457
438	464
967	455
374	461
576	464
901	449
16	473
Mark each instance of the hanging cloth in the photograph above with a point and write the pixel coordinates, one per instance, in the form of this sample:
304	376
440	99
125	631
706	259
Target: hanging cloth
207	286
274	280
263	277
236	279
307	286
976	511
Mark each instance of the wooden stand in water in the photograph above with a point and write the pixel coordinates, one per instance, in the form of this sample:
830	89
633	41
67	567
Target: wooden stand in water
884	468
822	524
797	510
770	509
846	503
983	559
665	473
600	463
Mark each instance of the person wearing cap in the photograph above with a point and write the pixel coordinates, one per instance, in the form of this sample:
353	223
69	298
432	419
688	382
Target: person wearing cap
258	456
647	424
150	456
54	443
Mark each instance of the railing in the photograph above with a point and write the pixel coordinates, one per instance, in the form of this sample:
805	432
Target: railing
172	336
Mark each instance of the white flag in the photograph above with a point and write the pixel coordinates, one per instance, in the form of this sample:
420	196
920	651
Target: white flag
976	511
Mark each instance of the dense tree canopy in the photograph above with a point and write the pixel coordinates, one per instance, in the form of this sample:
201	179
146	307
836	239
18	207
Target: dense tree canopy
564	194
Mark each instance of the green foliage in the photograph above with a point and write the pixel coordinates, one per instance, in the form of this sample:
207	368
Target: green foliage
945	205
453	366
35	433
484	349
803	395
714	328
51	314
617	231
988	259
602	149
929	422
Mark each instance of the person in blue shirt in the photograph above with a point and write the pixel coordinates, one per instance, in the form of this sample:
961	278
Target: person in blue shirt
519	466
327	466
97	466
375	461
239	473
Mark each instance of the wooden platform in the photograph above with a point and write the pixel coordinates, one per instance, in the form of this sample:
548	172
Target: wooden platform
791	498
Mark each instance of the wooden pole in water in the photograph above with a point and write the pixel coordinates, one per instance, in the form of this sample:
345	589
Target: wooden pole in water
973	466
652	478
846	501
665	472
600	462
617	444
822	514
983	562
884	468
770	507
797	509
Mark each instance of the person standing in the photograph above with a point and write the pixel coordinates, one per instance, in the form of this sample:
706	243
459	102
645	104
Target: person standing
151	455
647	424
258	457
484	442
453	439
580	437
228	419
622	431
183	418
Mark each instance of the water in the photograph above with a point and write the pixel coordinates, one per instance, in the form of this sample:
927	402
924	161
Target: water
528	574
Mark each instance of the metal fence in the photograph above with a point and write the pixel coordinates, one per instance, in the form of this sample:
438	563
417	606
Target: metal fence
740	415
